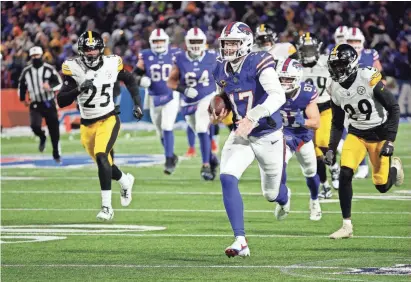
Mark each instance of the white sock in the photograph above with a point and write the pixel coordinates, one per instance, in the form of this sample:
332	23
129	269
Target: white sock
241	238
335	166
123	179
326	184
106	198
347	221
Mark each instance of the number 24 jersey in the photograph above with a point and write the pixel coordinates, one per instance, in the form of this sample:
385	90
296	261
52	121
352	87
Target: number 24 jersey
363	111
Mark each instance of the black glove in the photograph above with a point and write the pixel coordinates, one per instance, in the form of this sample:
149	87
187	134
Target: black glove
329	157
137	112
387	149
86	85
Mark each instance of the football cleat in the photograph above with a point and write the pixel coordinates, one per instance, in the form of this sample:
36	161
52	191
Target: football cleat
214	146
106	213
125	190
396	162
191	152
362	172
281	212
42	144
170	165
315	210
206	173
335	176
238	248
346	231
325	191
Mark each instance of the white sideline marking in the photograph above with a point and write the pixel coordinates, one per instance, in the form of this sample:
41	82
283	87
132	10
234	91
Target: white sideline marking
210	235
30	239
176	266
185	210
78	228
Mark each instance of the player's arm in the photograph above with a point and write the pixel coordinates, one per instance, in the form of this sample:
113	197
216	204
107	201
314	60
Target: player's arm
337	126
140	72
68	92
22	87
313	116
276	95
390	104
55	81
173	80
132	86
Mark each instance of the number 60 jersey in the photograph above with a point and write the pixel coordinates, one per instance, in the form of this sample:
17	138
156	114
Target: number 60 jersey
363	110
99	101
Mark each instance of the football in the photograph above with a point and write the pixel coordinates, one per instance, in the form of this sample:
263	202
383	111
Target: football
218	103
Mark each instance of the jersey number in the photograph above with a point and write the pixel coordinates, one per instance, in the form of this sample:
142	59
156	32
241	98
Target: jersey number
241	96
321	83
160	72
364	106
286	119
88	104
191	80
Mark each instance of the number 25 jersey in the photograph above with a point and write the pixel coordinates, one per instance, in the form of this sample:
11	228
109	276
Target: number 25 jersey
98	101
363	110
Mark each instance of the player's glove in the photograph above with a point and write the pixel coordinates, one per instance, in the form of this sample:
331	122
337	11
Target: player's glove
387	149
86	85
145	82
137	112
299	118
329	157
191	92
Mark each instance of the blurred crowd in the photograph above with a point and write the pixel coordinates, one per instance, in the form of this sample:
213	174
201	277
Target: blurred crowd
125	27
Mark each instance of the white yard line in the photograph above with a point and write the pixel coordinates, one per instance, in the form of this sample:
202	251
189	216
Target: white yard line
189	210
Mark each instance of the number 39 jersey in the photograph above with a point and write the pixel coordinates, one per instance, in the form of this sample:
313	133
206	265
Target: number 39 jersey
158	69
197	73
364	112
318	76
98	101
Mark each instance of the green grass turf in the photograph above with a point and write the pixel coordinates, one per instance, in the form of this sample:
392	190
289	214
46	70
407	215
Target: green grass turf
192	246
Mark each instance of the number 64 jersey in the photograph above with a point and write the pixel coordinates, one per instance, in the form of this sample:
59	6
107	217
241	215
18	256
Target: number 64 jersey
363	110
98	101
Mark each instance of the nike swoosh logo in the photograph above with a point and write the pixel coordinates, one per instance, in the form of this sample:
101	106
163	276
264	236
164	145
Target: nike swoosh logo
273	142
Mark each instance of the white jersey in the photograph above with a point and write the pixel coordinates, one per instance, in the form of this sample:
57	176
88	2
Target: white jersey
98	101
364	112
281	50
318	76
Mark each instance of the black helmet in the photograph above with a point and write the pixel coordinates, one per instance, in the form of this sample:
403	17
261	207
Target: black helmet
265	34
89	41
342	62
308	47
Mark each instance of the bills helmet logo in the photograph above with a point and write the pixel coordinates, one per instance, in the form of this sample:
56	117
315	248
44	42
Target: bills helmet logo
245	29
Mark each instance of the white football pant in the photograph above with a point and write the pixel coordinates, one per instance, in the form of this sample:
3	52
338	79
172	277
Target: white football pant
164	117
200	120
306	157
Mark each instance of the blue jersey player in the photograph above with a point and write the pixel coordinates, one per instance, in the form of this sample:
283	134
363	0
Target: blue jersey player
300	117
250	83
154	65
192	76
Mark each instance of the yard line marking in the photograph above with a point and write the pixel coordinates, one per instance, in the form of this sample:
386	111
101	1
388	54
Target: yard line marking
177	266
365	196
186	210
203	235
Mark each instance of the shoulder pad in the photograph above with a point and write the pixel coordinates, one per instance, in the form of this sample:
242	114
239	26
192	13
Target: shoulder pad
371	75
291	49
65	68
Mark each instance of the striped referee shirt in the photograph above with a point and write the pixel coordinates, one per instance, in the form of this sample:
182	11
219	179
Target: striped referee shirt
32	80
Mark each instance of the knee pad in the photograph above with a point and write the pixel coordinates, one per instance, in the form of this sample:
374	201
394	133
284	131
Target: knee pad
102	161
346	175
310	171
270	193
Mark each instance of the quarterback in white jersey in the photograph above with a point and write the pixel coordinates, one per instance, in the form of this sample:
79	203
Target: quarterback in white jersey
89	79
373	115
265	39
316	73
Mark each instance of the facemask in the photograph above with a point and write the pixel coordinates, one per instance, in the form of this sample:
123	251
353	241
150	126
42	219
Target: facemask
37	62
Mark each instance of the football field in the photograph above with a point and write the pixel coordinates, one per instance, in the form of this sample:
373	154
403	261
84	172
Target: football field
176	228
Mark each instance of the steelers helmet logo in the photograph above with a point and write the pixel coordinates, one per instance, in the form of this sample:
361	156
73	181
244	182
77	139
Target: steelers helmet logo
361	90
90	42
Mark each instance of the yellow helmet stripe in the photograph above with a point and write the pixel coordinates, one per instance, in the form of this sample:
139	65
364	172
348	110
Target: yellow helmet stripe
307	35
334	51
90	36
262	27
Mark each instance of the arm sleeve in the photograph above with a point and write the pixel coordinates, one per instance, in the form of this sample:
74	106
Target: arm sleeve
337	126
55	80
22	87
132	86
276	95
390	104
68	92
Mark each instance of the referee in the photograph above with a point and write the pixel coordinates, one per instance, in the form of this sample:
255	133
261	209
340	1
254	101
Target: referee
41	80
